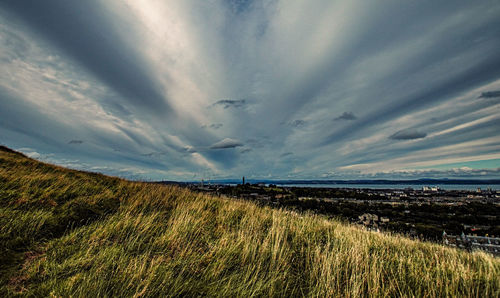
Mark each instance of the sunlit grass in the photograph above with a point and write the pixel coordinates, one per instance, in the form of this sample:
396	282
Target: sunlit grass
69	233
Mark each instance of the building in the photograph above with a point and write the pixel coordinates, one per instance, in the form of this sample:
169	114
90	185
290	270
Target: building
369	220
487	244
384	219
430	188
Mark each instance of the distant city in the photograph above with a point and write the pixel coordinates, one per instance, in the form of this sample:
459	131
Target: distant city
461	213
443	184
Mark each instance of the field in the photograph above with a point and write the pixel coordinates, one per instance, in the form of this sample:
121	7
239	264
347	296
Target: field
70	233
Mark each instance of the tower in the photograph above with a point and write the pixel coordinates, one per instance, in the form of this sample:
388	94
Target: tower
243	180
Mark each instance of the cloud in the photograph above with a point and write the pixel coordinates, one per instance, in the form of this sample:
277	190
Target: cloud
75	142
298	123
190	149
99	48
142	78
408	134
153	154
462	172
216	125
226	144
231	103
239	6
30	152
213	125
454	173
346	116
286	154
246	150
490	94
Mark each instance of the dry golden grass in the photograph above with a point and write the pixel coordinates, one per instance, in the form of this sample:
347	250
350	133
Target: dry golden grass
70	233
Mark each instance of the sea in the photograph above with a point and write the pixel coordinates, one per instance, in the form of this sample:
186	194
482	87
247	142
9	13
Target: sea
470	187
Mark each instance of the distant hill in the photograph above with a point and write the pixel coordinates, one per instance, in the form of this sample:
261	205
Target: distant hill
71	233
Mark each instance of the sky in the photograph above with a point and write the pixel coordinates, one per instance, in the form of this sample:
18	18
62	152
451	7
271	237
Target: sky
266	89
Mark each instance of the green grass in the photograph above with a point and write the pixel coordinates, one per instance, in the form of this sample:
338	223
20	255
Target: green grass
71	233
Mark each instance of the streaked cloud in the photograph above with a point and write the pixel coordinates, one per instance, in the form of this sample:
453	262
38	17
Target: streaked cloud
98	48
158	90
490	94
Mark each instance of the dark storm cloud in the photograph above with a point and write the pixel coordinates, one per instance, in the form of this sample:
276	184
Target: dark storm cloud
75	142
408	134
346	116
246	150
490	94
85	32
286	154
226	143
231	103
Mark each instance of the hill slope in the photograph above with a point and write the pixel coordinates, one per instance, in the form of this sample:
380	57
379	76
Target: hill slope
65	232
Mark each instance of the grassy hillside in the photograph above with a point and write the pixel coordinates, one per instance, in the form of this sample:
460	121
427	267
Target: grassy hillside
65	232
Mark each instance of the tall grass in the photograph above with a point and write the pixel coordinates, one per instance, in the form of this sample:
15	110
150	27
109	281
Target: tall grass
69	233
